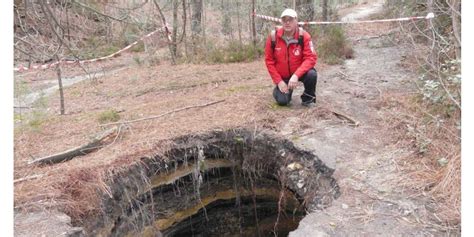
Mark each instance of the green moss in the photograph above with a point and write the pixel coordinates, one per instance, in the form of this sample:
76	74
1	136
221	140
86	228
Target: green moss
110	115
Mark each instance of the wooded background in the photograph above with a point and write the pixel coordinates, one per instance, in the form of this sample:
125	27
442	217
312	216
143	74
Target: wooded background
72	29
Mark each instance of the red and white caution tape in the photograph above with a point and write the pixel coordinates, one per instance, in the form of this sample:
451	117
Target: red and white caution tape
270	18
429	16
22	68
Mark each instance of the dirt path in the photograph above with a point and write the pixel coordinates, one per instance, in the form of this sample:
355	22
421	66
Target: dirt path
50	87
372	202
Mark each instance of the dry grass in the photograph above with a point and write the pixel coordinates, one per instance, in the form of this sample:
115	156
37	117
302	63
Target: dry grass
434	168
74	186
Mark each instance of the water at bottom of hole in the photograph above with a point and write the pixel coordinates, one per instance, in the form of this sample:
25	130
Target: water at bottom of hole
228	218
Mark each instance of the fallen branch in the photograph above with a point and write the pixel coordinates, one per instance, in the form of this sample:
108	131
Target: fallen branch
94	144
27	178
306	133
347	118
161	115
345	77
343	74
376	36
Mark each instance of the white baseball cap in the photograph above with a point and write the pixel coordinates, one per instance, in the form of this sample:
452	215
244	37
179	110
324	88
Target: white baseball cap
289	12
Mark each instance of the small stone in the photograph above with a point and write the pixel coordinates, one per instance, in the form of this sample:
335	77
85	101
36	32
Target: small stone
442	161
300	184
345	206
294	166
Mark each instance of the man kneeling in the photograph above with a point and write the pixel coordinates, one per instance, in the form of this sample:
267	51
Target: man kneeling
290	57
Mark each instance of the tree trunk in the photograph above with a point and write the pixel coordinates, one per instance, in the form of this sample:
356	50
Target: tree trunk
203	25
67	22
433	59
456	19
60	85
174	34
325	9
239	25
275	11
226	24
310	7
185	15
254	31
163	20
196	8
305	9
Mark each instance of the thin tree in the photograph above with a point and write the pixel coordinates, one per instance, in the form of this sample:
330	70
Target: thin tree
226	23
166	32
59	32
60	85
455	6
174	34
184	29
305	7
239	24
324	6
254	31
203	25
196	8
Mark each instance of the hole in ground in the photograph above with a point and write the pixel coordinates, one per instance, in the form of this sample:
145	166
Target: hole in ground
224	183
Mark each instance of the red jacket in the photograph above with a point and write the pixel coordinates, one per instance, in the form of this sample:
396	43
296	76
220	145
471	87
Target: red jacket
285	61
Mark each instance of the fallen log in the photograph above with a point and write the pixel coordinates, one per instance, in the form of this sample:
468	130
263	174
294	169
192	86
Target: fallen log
94	144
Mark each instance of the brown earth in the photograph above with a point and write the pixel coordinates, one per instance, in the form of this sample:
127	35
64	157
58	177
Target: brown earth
366	157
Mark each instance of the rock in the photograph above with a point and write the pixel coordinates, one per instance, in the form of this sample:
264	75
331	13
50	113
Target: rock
45	223
309	233
294	166
300	184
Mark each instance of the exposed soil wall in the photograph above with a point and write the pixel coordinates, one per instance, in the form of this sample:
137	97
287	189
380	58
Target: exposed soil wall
214	169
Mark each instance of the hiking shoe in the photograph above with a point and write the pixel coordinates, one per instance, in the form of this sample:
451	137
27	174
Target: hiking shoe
309	104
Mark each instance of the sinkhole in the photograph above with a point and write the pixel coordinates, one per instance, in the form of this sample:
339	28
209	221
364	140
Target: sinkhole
222	183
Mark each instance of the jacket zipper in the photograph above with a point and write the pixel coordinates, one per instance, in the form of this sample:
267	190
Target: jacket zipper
288	58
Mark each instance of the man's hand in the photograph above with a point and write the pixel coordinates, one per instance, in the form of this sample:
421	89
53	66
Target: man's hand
293	83
283	87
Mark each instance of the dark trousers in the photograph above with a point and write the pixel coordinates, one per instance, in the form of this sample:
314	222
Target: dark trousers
309	80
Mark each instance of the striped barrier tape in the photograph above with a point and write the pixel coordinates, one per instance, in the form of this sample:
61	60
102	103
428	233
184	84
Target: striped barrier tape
22	68
429	16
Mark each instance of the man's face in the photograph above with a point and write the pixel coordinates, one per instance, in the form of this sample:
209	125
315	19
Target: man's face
289	23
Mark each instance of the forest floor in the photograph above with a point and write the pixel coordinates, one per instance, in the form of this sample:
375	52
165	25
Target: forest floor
366	155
